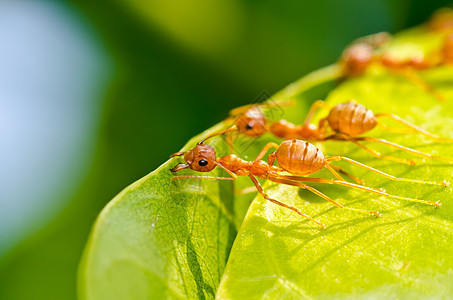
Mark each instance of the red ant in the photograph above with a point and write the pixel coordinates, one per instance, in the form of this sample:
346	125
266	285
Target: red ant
357	57
293	156
347	122
361	54
441	20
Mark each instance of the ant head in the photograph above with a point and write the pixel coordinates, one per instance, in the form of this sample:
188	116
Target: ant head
252	123
201	158
356	58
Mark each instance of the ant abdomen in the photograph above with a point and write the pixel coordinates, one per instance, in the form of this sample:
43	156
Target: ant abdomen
351	118
299	157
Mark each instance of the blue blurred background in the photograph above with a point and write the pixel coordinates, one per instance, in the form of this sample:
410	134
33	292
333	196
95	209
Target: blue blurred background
96	94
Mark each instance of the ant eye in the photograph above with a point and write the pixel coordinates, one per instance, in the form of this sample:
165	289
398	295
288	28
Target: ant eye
202	162
249	126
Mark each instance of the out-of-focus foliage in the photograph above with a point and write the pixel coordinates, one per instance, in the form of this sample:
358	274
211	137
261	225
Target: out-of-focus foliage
48	116
170	83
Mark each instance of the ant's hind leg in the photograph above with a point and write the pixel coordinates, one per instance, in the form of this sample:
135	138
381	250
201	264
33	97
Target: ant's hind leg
334	172
340	170
294	180
338	158
201	177
415	78
414	127
315	191
410	150
377	154
265	196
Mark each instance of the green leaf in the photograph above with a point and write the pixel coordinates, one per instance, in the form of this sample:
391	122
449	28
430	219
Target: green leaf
164	238
161	238
405	254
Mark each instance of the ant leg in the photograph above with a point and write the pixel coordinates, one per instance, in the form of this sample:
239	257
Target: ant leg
410	150
414	127
225	169
203	177
229	141
352	185
233	176
265	149
332	169
232	128
265	196
415	78
271	158
240	110
338	158
377	154
395	130
243	109
315	191
314	107
244	191
323	127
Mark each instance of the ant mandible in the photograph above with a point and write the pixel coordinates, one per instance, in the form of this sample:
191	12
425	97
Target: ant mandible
296	157
347	122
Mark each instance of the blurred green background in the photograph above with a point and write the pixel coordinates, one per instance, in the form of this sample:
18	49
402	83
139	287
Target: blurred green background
96	94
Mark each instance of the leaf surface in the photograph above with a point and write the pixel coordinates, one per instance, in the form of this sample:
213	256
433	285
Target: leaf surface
404	254
164	238
161	238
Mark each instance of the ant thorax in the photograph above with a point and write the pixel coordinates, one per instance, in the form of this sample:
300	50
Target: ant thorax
287	130
233	163
311	132
243	168
261	168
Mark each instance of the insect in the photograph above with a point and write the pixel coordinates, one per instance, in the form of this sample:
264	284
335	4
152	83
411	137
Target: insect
356	58
441	20
361	54
296	157
345	122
